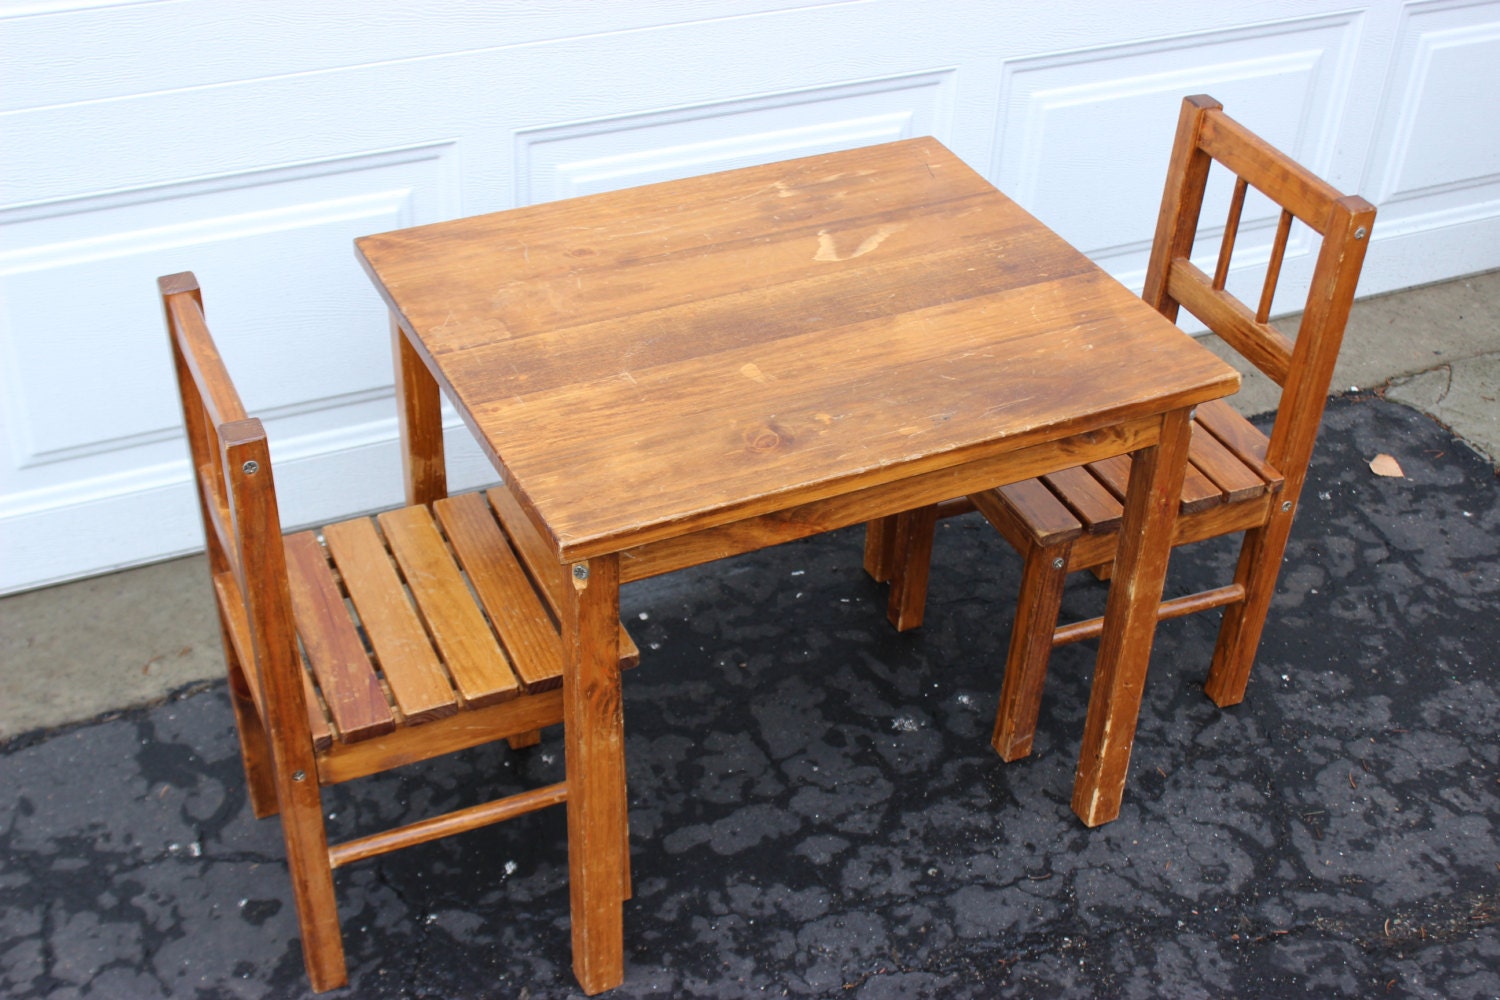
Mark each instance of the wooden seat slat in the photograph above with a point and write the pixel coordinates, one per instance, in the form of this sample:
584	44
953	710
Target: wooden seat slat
1045	516
1096	507
479	668
322	731
1198	491
1234	479
1216	475
1113	474
516	610
1241	437
331	644
539	558
411	668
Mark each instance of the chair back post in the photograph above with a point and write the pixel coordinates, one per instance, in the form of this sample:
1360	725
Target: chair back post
256	526
237	499
203	455
1182	201
1325	314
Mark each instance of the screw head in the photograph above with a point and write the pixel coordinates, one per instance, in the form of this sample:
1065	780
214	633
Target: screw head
250	468
580	572
1058	563
299	775
1361	233
1286	505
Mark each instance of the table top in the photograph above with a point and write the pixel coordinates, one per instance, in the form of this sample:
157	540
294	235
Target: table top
646	363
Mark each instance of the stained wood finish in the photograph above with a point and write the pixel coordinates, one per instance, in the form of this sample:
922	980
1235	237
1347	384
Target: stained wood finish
356	703
420	419
1129	623
721	347
685	371
323	693
1237	478
913	535
413	668
479	669
594	730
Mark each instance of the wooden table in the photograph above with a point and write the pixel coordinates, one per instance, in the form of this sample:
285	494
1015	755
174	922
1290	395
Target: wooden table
690	370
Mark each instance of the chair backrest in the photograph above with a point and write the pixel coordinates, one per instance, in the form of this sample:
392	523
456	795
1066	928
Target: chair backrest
241	523
1303	367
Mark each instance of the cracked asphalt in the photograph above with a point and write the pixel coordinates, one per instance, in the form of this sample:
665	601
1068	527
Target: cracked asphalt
816	812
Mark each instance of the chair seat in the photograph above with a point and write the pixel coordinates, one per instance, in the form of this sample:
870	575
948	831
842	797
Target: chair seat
1227	468
416	615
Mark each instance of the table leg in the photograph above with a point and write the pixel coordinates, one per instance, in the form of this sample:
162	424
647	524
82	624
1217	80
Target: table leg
594	737
1151	503
880	548
419	413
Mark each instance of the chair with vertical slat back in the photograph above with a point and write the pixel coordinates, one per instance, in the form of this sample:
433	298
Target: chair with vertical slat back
1238	480
377	642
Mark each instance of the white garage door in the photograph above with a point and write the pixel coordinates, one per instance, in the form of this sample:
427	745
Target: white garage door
251	142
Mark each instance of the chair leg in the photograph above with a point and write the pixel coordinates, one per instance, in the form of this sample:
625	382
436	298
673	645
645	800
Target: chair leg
312	879
255	753
910	568
1239	633
521	741
1042	578
880	548
627	889
255	749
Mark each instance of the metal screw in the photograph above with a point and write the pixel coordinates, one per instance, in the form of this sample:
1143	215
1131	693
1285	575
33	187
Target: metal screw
250	468
299	775
1058	563
1360	233
580	572
1286	505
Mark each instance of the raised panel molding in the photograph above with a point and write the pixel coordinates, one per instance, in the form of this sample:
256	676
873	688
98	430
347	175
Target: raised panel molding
563	161
1437	160
156	517
89	417
1084	136
80	324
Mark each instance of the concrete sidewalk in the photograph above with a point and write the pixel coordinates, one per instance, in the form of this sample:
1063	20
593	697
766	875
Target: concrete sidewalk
74	651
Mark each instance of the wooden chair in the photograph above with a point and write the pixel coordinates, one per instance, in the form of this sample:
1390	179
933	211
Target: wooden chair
376	642
1238	480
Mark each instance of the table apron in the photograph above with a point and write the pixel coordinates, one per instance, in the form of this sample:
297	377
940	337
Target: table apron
819	516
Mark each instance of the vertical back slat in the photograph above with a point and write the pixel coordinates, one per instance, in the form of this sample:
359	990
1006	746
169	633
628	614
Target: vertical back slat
1231	230
1278	177
1273	267
203	444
